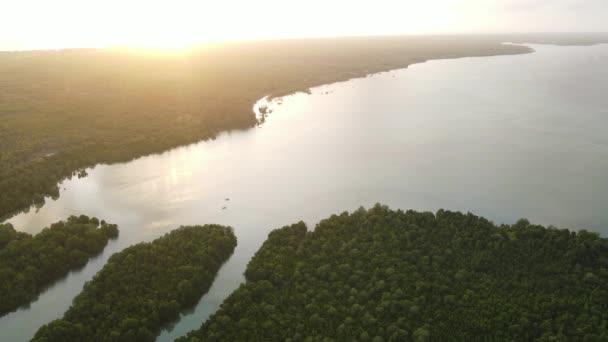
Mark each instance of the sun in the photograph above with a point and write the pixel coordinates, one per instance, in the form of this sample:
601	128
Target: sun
163	41
178	24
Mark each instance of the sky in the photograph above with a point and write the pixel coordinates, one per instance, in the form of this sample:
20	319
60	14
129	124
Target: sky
44	24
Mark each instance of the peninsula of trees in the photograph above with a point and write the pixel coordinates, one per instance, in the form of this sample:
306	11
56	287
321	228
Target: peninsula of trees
145	287
28	264
383	275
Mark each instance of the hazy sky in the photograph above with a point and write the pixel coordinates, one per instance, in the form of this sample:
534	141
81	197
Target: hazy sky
32	24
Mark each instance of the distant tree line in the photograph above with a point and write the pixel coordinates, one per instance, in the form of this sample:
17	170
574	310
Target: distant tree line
144	287
28	264
382	275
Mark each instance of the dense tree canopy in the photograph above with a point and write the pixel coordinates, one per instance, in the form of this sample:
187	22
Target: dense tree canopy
382	275
28	263
144	287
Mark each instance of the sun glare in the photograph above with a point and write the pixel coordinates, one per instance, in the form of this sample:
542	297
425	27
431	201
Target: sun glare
179	24
183	23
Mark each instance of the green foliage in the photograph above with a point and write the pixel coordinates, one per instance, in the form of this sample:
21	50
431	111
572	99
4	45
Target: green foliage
144	287
30	264
383	275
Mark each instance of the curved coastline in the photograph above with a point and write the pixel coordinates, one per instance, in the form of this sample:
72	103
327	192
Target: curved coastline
209	107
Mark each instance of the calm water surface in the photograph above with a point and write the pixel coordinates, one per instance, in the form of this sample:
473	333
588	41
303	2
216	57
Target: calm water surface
503	137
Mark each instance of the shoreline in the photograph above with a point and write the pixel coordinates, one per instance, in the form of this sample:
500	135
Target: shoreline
513	47
170	101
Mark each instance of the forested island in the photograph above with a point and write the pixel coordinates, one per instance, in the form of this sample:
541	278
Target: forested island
145	287
384	275
28	264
